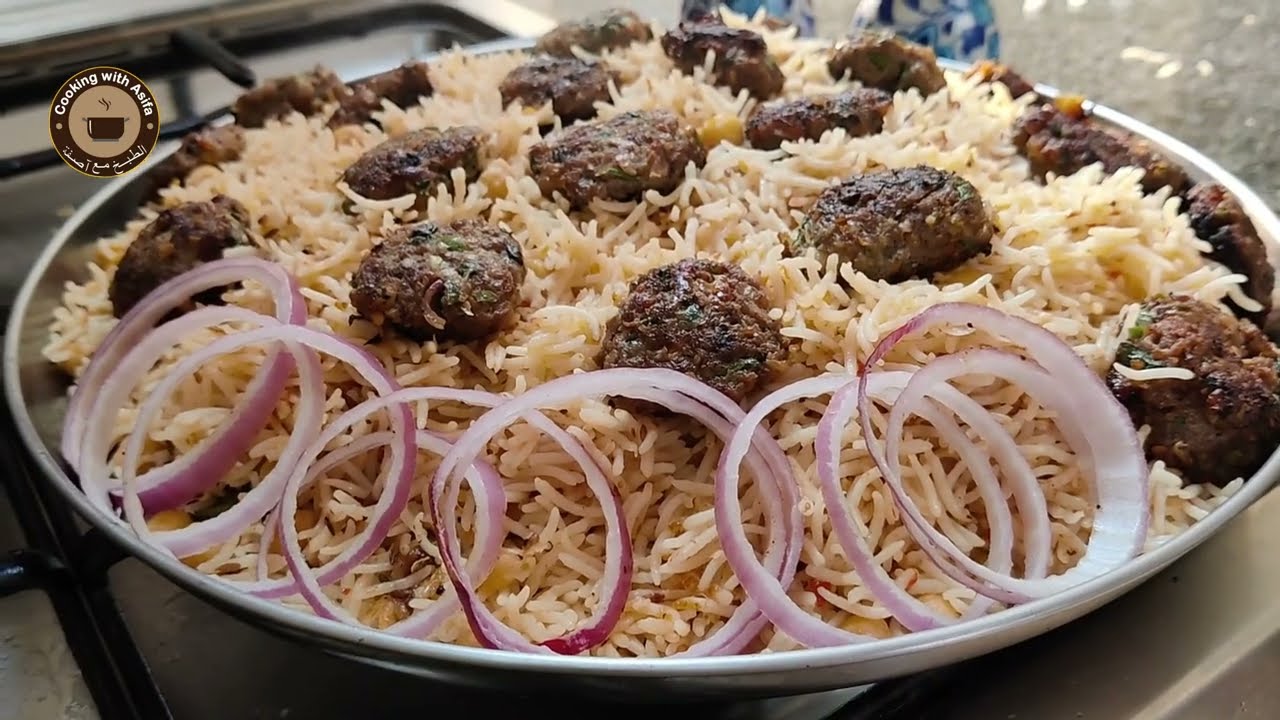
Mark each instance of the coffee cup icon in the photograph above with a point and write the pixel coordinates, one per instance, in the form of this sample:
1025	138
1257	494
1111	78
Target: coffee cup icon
104	127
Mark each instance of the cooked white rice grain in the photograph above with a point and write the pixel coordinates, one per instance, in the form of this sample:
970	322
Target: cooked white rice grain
1073	255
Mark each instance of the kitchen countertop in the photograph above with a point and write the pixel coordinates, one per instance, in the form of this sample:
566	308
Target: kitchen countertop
1205	72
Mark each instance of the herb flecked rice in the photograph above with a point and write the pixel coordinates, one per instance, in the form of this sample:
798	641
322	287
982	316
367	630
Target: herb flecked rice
1072	255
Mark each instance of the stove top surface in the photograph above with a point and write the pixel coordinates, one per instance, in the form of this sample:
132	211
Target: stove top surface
1200	641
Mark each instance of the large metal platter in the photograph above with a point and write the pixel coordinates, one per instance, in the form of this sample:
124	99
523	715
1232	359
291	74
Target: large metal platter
36	394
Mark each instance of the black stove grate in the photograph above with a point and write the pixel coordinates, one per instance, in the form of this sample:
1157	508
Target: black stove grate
70	566
173	47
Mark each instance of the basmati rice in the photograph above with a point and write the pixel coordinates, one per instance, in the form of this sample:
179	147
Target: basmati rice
1073	254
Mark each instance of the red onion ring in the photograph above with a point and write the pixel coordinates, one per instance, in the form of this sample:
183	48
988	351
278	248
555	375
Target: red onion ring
491	504
911	612
202	535
766	460
113	393
771	595
192	474
1026	490
486	486
1000	543
761	585
396	488
742	626
1025	487
196	471
616	580
768	464
1120	522
1108	448
355	553
307	581
200	468
483	479
1096	425
654	385
270	527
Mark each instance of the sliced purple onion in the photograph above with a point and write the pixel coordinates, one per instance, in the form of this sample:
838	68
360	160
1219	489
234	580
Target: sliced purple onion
335	568
490	500
486	487
1094	423
913	614
255	504
395	490
761	585
491	505
1019	476
779	494
654	385
771	595
199	469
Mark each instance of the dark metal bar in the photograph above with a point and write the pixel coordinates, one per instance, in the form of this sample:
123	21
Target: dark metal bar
95	554
216	55
201	49
113	670
41	159
27	570
926	696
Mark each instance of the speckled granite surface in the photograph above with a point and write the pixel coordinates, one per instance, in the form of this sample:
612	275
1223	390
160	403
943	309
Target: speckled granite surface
1204	71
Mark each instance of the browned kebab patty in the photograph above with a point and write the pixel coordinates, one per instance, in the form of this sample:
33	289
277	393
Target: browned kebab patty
305	93
1061	138
605	30
616	159
571	85
1217	218
742	59
897	224
207	146
416	162
457	281
993	72
180	239
860	111
403	86
706	319
1224	422
880	59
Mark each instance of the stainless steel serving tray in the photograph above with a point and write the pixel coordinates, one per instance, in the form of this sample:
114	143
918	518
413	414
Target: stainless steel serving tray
36	393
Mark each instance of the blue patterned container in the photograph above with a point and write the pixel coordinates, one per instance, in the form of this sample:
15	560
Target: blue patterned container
956	29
